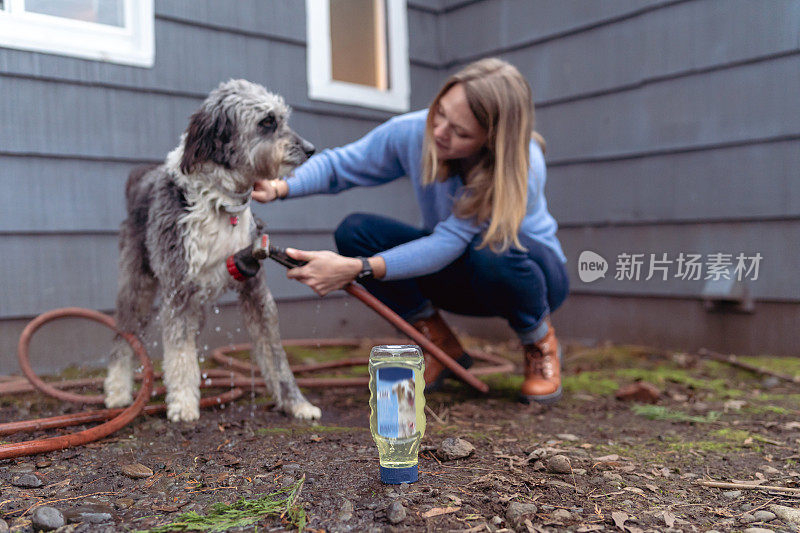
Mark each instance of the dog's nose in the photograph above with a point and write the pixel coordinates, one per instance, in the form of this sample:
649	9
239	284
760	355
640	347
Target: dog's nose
308	148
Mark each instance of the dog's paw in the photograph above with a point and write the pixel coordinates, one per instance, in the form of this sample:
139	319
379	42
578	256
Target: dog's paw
118	398
303	411
183	409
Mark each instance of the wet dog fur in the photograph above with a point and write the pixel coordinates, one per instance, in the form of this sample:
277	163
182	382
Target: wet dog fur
177	235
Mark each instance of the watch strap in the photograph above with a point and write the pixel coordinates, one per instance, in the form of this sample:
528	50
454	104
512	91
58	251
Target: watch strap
366	269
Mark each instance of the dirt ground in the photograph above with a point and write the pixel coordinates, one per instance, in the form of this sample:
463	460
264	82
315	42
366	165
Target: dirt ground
627	466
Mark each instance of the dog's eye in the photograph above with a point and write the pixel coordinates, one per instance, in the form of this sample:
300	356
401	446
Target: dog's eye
268	124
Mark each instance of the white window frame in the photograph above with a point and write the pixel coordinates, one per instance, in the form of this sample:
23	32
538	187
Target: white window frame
133	44
321	86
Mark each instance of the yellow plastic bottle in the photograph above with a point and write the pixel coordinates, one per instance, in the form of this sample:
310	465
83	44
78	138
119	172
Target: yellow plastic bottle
397	409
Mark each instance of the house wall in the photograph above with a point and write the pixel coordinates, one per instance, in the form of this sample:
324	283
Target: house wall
672	126
71	130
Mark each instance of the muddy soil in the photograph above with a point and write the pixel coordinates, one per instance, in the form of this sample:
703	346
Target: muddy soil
624	465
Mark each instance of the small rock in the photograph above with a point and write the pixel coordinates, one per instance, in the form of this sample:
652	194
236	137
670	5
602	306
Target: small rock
136	471
567	436
3	526
770	470
26	481
561	515
538	466
746	518
517	512
638	392
758	530
612	476
454	448
770	382
579	471
346	512
787	514
559	464
732	494
44	463
47	518
764	516
538	453
396	513
746	506
93	514
123	503
496	520
288	480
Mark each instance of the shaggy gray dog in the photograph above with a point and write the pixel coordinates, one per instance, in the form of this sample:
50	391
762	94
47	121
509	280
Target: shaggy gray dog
185	217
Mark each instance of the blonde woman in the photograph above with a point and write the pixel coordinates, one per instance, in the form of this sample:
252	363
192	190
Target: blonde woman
488	246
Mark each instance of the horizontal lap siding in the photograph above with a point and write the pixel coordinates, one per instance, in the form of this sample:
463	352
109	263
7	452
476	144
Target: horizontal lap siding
72	129
672	126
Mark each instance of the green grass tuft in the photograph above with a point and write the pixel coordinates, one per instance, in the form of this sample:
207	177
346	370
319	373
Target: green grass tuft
659	412
223	517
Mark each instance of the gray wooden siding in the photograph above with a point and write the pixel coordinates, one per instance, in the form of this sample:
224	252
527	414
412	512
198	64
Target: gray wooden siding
672	125
71	130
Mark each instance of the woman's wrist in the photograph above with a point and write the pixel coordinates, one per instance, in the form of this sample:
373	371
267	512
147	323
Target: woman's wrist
281	188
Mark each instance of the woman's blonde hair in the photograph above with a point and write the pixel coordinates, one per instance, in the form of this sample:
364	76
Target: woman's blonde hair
497	186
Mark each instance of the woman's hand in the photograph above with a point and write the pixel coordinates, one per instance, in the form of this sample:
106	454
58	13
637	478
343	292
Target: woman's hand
266	191
325	271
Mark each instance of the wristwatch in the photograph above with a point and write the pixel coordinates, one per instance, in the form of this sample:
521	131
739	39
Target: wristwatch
366	269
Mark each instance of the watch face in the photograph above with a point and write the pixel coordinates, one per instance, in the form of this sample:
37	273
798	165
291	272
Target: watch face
366	269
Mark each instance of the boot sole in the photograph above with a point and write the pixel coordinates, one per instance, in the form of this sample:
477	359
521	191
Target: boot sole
465	361
546	399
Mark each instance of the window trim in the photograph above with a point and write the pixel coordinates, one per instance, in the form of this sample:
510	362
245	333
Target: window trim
321	86
133	44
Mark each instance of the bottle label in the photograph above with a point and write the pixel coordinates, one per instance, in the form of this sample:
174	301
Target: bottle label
397	410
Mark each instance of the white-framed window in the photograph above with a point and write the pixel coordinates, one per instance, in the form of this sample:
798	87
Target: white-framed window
358	52
118	31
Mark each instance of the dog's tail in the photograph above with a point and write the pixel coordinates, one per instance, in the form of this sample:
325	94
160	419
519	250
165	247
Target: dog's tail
134	178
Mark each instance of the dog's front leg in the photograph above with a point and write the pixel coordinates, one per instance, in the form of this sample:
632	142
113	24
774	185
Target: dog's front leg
181	369
261	319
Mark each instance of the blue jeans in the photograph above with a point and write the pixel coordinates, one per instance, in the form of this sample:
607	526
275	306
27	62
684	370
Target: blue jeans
522	287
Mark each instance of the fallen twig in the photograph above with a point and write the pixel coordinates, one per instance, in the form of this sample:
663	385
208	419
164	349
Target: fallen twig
734	361
434	415
751	486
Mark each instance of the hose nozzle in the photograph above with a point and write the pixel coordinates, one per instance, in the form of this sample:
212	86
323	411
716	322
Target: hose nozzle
245	263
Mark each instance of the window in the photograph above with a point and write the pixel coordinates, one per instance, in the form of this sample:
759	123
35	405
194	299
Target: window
358	52
119	31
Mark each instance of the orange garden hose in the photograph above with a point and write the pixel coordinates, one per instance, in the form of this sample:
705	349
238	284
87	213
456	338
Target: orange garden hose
116	419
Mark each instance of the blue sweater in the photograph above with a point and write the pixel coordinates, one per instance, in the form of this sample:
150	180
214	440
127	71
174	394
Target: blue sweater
393	150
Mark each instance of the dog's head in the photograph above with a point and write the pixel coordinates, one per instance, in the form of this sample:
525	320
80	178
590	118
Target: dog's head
243	128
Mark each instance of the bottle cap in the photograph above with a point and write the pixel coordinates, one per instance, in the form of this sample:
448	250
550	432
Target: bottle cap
395	476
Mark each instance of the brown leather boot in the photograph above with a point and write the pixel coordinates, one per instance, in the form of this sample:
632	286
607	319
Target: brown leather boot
542	370
439	333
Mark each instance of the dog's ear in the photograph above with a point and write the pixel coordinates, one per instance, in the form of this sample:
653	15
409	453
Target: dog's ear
208	138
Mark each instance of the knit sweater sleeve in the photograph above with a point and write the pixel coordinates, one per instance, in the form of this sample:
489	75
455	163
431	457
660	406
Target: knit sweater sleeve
372	160
431	253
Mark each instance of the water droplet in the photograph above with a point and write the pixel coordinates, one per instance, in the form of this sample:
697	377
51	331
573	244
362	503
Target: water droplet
202	359
216	310
217	328
208	382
